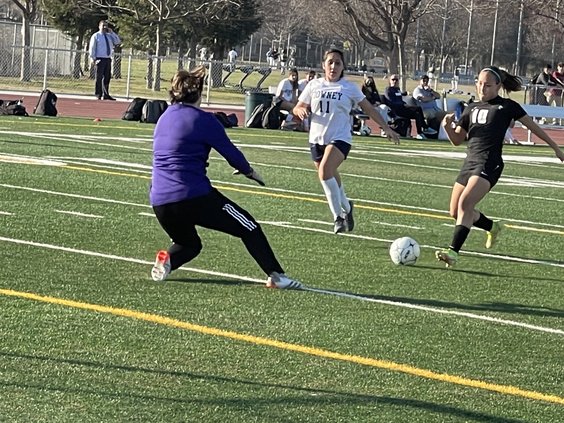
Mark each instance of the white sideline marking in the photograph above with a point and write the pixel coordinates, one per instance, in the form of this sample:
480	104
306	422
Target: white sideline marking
321	291
397	225
466	252
283	224
146	214
317	222
6	213
84	197
79	214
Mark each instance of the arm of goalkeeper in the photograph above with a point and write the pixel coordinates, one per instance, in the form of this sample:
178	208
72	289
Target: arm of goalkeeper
254	175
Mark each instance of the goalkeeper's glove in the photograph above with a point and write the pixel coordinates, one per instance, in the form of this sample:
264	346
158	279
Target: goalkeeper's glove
254	175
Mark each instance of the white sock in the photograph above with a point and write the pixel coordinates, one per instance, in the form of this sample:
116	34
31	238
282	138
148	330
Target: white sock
345	204
333	194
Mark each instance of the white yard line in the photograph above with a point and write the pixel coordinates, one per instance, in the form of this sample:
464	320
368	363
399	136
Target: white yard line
79	214
316	290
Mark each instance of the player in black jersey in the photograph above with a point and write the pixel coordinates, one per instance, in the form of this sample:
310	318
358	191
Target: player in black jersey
484	124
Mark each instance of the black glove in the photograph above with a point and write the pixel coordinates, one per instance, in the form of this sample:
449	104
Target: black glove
253	175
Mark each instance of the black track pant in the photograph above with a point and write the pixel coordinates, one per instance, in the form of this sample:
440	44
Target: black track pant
217	212
412	112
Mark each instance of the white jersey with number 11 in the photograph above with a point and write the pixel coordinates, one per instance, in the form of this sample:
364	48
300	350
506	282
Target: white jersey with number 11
331	104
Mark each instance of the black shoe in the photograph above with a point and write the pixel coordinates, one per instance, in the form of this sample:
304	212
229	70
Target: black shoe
349	218
109	97
340	225
99	97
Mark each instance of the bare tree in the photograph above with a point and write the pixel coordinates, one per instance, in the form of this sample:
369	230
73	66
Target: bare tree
28	9
385	24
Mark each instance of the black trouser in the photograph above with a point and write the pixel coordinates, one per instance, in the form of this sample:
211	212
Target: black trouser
103	76
217	212
412	112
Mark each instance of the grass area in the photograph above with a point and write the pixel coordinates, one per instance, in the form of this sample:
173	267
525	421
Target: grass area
134	83
87	336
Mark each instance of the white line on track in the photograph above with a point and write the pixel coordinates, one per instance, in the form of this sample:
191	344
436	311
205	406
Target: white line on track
79	214
316	290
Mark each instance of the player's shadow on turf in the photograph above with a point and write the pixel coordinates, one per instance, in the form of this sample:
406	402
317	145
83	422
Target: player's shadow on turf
231	282
525	309
298	397
490	274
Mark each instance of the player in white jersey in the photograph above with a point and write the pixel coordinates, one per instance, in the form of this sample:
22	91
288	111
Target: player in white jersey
330	100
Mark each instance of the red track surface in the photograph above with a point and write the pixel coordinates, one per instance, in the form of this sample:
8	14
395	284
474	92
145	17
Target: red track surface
104	109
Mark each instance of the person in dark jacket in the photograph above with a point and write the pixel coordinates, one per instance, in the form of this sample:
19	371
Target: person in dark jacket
181	193
394	98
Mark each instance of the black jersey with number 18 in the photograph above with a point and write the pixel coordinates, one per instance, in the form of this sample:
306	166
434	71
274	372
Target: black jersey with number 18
486	124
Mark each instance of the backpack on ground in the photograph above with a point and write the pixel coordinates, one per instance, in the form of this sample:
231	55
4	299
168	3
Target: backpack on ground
12	107
271	117
152	110
47	104
255	119
135	109
232	118
401	125
224	119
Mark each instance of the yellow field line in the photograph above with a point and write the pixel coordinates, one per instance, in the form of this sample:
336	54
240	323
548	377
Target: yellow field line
273	194
256	340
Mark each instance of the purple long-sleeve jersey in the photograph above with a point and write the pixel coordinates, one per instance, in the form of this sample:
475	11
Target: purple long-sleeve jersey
182	141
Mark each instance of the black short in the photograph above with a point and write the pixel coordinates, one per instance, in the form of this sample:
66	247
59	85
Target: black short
490	170
318	150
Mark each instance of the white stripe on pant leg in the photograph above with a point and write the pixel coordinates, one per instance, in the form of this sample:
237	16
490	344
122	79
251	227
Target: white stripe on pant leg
249	224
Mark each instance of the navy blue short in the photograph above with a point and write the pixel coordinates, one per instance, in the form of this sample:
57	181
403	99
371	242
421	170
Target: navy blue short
317	150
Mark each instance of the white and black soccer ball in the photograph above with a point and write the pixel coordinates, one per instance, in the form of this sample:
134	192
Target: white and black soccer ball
365	130
405	251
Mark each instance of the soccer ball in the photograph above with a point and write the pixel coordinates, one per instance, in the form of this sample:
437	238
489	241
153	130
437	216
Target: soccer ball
365	130
404	251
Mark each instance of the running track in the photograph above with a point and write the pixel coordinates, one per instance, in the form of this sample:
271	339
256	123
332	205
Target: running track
90	107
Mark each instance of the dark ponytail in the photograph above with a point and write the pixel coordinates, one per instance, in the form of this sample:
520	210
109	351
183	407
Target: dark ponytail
509	82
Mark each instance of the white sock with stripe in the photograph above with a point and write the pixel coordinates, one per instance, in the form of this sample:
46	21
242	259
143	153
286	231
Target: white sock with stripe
333	194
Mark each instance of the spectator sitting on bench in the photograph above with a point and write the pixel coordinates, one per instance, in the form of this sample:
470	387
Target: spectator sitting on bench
425	98
287	94
394	98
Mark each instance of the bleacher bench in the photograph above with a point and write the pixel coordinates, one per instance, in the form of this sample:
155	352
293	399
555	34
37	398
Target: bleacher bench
537	111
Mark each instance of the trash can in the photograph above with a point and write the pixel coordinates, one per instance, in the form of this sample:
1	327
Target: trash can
252	100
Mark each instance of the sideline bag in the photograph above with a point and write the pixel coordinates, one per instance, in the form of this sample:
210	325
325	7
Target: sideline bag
152	110
401	125
47	104
135	109
271	117
224	119
14	108
232	118
255	119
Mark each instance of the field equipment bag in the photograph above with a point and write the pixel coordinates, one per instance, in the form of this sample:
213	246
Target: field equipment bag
13	107
47	104
255	119
401	125
152	110
271	117
228	121
135	109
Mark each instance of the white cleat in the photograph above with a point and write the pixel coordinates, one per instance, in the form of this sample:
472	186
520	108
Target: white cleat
161	268
281	281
